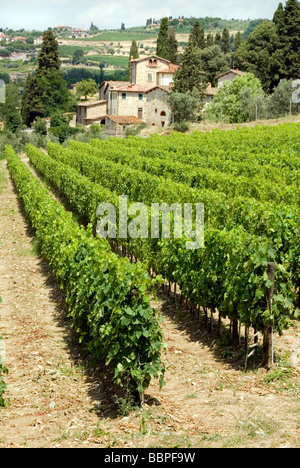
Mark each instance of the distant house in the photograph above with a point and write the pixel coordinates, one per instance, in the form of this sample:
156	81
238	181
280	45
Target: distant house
62	28
91	112
77	32
4	37
19	38
229	75
16	77
38	41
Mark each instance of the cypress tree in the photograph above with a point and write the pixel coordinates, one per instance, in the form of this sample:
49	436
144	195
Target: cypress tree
218	40
46	92
237	40
289	38
197	37
226	41
189	75
134	53
278	16
48	58
162	39
209	40
172	46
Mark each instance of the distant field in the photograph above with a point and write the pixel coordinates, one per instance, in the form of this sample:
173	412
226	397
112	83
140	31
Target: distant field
117	36
110	60
68	50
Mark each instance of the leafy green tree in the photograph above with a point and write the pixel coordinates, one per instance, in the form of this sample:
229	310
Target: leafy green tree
185	106
10	111
235	100
281	102
214	62
87	88
77	56
162	39
40	126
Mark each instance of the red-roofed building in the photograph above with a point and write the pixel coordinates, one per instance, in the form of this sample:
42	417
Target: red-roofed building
19	38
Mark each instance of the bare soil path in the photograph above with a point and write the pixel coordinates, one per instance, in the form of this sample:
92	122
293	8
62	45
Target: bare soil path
60	399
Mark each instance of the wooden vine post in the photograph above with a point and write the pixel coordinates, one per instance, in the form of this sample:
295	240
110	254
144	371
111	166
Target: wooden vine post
267	351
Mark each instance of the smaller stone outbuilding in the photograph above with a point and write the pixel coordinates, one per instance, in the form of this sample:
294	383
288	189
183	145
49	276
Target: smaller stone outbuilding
229	75
116	125
91	112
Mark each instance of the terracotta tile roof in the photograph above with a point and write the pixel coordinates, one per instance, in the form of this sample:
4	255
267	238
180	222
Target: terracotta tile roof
124	119
91	103
170	69
235	71
148	57
134	88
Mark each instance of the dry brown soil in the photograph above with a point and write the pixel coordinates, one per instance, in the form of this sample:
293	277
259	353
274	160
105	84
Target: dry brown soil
58	398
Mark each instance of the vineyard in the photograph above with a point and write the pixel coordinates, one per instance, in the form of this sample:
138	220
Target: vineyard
246	278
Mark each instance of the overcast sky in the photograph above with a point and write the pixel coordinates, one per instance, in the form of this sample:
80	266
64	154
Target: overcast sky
41	14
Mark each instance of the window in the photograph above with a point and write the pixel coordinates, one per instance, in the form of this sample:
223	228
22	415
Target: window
141	96
123	95
155	111
162	113
150	77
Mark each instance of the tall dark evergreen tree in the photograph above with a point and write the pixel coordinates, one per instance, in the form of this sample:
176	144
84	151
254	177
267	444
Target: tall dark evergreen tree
226	41
46	93
218	40
133	53
172	46
289	38
190	75
162	49
48	58
209	40
237	40
278	17
197	37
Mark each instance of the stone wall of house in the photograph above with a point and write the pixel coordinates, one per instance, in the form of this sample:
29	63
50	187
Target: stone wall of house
140	71
229	76
96	110
156	105
131	104
110	127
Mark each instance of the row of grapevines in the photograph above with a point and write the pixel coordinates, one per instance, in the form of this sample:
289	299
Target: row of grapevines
278	223
270	151
228	274
200	178
3	371
106	294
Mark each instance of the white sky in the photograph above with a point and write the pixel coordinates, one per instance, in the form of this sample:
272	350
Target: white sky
109	14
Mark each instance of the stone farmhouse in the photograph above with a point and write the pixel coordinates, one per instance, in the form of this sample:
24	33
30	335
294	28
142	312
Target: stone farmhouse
143	99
